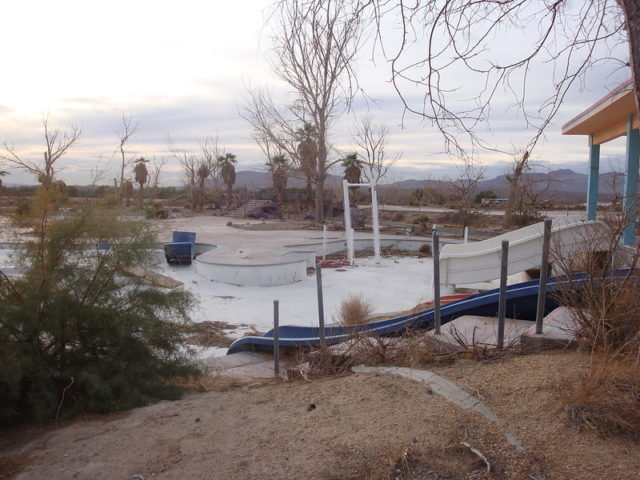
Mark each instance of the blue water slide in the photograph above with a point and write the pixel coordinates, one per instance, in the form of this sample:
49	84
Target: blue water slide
521	304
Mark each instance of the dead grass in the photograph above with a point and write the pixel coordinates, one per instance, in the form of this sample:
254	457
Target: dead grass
213	383
473	349
210	334
418	348
608	399
607	316
392	463
455	459
412	349
355	310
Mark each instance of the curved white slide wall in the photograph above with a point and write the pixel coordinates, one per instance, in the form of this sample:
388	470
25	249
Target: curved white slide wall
480	261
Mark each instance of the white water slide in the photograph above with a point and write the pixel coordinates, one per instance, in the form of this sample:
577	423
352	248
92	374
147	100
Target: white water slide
480	261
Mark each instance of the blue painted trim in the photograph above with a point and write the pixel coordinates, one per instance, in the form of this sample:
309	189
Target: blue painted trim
594	172
631	182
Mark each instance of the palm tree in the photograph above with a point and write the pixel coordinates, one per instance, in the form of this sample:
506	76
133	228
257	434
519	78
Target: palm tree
228	173
352	173
203	173
308	153
278	165
141	175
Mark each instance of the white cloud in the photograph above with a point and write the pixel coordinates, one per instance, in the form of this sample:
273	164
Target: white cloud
181	69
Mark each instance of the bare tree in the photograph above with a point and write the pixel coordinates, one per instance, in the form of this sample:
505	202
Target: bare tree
462	189
2	174
515	198
271	141
274	130
372	139
57	143
210	150
307	150
129	127
127	192
466	71
197	168
525	191
315	44
615	183
154	175
189	164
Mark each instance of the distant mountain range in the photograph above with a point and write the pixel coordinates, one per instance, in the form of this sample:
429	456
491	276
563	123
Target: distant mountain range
562	185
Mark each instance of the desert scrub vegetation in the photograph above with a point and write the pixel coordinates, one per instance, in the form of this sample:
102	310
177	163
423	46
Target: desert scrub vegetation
425	249
355	310
78	335
606	316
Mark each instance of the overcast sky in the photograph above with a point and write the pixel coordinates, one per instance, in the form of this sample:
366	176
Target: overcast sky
182	68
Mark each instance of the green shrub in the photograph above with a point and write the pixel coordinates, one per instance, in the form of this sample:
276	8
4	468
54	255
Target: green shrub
76	335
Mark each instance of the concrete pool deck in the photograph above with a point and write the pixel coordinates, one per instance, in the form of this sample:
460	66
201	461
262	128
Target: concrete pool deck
266	258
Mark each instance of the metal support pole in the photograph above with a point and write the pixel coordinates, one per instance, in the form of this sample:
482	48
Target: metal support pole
353	247
324	243
592	185
376	221
436	281
347	220
544	273
276	338
320	303
502	302
630	202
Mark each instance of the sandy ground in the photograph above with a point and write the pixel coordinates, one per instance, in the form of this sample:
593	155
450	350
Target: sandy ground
345	427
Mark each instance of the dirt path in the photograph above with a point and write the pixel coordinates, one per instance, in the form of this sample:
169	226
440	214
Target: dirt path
353	426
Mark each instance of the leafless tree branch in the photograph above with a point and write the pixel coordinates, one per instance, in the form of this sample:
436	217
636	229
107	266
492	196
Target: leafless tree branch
468	68
129	128
372	139
314	48
57	143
